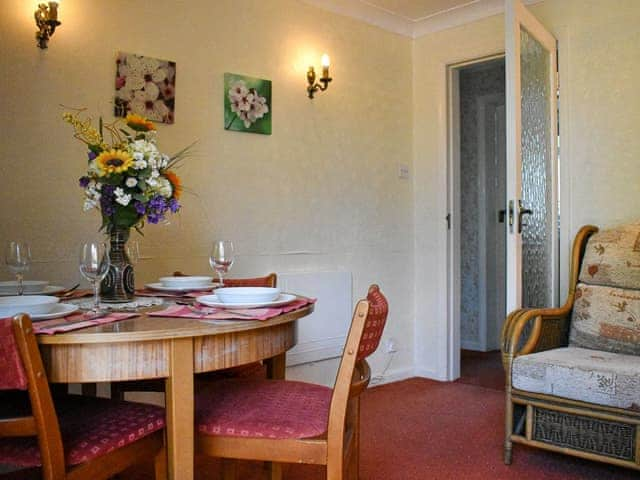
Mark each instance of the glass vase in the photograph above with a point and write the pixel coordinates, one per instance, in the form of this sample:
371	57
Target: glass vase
119	285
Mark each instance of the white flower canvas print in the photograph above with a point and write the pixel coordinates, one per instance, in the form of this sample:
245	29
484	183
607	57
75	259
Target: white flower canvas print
247	104
145	86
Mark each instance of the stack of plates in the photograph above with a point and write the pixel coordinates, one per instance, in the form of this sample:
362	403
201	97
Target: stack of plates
246	297
31	287
182	284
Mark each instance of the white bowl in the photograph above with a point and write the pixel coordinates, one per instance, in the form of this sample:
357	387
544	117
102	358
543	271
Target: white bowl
30	286
33	304
247	294
187	281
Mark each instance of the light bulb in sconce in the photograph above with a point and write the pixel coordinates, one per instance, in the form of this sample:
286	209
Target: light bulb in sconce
325	65
324	80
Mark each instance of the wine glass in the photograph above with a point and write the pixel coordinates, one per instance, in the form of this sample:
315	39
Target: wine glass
221	258
133	251
94	266
18	258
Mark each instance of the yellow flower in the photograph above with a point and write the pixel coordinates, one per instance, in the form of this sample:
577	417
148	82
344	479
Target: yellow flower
113	161
139	123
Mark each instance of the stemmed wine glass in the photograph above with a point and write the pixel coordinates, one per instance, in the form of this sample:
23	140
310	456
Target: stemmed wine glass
18	258
94	266
222	257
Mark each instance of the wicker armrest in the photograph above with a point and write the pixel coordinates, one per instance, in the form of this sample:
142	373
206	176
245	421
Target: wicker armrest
549	330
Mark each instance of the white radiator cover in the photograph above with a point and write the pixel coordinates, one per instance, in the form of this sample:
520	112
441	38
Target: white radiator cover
322	334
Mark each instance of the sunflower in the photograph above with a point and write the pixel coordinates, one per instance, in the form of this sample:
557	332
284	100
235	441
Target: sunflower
139	123
175	183
113	161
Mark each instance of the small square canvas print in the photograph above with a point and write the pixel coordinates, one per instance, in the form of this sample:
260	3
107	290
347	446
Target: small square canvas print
146	86
247	104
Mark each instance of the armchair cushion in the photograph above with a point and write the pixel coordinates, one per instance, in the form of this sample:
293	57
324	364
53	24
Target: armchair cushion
602	378
606	318
612	257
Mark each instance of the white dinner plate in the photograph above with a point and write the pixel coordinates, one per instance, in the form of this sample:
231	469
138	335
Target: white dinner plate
214	301
29	286
49	290
161	288
60	310
186	281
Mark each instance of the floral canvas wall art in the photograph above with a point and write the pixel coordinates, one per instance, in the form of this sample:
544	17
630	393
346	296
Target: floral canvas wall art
145	86
247	104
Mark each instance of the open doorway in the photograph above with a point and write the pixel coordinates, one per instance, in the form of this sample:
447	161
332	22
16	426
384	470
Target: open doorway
479	190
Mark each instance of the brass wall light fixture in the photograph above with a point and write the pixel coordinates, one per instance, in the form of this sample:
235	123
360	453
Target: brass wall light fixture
324	79
46	16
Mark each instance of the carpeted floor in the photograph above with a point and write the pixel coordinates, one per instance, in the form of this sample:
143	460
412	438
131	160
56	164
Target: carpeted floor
483	369
420	429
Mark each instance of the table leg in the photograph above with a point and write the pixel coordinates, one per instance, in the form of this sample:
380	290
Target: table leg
277	366
180	410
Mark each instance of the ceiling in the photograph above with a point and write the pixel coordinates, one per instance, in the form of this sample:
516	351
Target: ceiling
414	18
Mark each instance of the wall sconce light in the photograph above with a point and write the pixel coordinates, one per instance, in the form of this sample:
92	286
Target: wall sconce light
46	20
324	80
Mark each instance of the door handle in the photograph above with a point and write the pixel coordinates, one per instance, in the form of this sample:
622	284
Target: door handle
522	212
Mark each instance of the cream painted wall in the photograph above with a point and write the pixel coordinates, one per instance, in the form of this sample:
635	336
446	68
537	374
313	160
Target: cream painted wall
599	111
321	193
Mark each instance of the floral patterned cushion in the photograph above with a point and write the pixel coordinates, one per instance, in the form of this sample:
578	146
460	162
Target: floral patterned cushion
90	428
602	378
612	257
376	320
606	318
12	375
263	408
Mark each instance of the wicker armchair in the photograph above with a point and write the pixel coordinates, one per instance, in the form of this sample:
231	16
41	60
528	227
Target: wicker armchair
573	385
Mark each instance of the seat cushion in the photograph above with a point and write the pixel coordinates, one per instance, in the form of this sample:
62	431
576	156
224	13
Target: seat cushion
262	408
612	258
90	428
603	378
606	318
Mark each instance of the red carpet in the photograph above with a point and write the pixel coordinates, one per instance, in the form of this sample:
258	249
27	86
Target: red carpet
420	429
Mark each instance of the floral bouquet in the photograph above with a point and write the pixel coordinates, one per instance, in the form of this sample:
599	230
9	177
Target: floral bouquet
128	179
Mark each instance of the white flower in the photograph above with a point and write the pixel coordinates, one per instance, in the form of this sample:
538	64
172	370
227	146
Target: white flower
164	160
238	89
121	197
131	182
140	165
164	187
89	204
138	156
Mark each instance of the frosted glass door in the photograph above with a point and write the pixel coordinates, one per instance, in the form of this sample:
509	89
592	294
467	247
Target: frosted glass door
532	266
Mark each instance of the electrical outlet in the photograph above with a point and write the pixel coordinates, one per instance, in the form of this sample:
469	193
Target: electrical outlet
391	345
403	171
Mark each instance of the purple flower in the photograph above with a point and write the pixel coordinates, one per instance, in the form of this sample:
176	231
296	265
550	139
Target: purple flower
140	208
108	190
158	203
154	217
84	182
174	206
91	155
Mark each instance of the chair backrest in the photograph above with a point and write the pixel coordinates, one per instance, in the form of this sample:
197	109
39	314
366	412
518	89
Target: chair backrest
270	280
24	370
606	311
367	326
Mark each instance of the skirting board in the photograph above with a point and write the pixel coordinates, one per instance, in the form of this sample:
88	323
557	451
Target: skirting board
393	376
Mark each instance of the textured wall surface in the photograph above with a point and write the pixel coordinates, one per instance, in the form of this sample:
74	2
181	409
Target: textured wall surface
321	193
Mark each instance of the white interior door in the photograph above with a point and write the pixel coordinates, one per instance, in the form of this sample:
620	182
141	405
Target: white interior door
532	206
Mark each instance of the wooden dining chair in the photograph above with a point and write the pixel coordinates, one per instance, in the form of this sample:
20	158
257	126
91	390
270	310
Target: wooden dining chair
118	389
284	421
74	437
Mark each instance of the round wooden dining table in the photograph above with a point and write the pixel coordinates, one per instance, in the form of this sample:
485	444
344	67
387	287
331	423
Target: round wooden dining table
147	347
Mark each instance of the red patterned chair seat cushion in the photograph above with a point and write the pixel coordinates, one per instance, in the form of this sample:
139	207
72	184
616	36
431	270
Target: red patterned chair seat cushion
90	428
263	408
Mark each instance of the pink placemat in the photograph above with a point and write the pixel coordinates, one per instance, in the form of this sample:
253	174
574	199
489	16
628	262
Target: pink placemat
203	312
77	321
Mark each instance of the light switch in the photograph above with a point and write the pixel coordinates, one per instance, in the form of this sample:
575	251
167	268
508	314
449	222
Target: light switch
403	171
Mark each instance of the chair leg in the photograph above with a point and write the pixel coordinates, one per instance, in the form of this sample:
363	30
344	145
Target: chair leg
508	427
229	469
275	471
160	465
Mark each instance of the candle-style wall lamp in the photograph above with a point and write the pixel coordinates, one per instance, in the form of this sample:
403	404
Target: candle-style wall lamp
46	20
324	80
